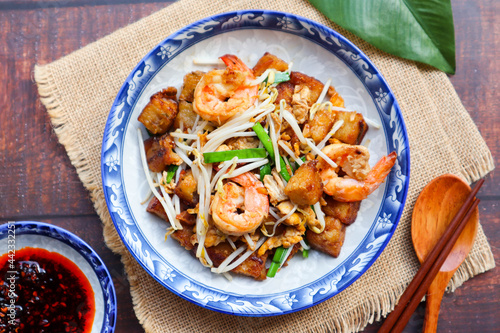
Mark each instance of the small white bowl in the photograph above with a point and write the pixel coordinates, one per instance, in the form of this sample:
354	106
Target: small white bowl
18	235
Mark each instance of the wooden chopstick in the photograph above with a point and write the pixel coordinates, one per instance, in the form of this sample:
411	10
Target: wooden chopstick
419	294
410	299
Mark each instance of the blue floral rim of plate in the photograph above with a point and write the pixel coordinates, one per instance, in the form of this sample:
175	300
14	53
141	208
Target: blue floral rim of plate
66	237
277	303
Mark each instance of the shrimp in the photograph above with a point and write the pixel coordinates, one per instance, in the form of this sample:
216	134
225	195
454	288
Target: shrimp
251	198
360	180
220	94
352	159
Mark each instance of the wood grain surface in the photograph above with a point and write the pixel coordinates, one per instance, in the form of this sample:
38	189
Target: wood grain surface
38	182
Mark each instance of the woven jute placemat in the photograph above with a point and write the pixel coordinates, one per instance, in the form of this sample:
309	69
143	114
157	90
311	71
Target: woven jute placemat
78	91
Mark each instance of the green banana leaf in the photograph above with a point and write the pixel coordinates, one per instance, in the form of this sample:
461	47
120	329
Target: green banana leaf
420	30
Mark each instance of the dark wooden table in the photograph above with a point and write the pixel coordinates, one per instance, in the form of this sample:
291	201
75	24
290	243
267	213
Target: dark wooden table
38	182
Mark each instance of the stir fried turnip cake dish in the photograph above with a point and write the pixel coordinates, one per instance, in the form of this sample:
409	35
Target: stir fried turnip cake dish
249	167
255	163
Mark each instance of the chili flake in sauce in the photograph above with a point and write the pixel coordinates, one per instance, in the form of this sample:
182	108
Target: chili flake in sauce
51	294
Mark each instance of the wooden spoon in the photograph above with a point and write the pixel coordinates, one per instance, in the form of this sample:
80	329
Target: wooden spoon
436	206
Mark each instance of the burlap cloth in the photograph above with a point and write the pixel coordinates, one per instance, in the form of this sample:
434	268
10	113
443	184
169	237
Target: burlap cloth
78	91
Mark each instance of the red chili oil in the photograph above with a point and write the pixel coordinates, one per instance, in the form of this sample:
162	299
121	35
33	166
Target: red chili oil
50	293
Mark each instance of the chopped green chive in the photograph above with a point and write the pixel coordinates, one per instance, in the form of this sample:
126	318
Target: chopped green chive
266	141
265	170
278	259
280	77
221	156
172	169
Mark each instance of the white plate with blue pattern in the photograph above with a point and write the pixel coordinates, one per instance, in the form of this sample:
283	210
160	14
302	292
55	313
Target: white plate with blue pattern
315	50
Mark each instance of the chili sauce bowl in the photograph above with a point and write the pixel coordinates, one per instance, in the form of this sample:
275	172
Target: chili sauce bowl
16	236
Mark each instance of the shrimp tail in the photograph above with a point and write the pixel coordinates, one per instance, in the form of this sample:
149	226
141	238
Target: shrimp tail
234	62
382	169
347	189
